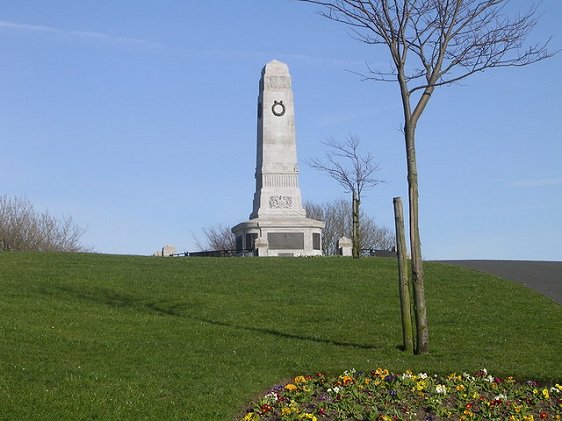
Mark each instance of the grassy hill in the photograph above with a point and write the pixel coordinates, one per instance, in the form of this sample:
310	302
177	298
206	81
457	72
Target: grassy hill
85	336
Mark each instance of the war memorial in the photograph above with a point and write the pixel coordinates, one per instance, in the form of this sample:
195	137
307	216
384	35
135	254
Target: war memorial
278	225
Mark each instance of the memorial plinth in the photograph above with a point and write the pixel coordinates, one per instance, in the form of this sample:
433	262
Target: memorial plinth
278	225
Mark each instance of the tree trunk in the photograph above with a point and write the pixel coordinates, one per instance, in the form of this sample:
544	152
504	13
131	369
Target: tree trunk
404	285
355	232
422	333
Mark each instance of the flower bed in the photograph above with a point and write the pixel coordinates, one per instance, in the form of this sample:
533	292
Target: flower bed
382	395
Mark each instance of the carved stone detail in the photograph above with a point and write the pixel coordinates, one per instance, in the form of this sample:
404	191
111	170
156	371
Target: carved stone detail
277	82
280	180
280	202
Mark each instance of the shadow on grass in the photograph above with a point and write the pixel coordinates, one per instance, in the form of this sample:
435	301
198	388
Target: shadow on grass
112	298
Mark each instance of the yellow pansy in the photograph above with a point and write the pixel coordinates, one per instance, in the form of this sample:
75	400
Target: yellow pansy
286	410
381	373
454	376
421	385
346	380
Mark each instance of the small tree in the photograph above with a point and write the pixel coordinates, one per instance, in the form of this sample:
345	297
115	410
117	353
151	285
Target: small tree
434	43
354	172
217	237
337	217
22	228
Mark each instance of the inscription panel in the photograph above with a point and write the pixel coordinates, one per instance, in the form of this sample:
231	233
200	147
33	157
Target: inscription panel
316	241
285	240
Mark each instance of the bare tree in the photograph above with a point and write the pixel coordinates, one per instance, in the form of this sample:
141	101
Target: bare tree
337	222
337	216
315	211
354	172
22	228
217	237
433	43
375	237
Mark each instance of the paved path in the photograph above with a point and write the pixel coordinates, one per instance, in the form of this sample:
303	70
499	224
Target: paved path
545	277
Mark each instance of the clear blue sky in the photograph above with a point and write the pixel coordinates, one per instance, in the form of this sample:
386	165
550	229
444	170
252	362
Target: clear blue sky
138	119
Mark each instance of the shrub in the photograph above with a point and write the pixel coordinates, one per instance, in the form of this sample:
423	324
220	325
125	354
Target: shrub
22	228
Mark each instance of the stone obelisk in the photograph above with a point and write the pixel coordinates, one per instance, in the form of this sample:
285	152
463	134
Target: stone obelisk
278	225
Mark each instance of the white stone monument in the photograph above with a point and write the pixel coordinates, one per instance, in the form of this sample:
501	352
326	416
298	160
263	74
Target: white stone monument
166	251
278	225
345	246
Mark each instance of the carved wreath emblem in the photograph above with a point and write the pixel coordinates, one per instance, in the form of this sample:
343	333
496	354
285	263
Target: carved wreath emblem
278	108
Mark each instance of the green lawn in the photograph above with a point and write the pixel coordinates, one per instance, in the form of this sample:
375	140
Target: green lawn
86	336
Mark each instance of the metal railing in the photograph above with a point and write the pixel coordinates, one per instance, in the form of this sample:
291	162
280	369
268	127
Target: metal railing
253	252
216	253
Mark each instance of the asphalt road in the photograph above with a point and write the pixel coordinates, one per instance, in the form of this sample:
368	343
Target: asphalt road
544	277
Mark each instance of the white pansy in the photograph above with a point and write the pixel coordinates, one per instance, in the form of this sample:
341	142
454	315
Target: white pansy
334	390
467	376
271	397
441	389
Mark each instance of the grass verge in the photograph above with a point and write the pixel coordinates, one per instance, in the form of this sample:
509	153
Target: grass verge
119	337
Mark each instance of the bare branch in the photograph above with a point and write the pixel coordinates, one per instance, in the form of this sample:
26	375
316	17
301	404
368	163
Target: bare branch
217	237
345	164
449	39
